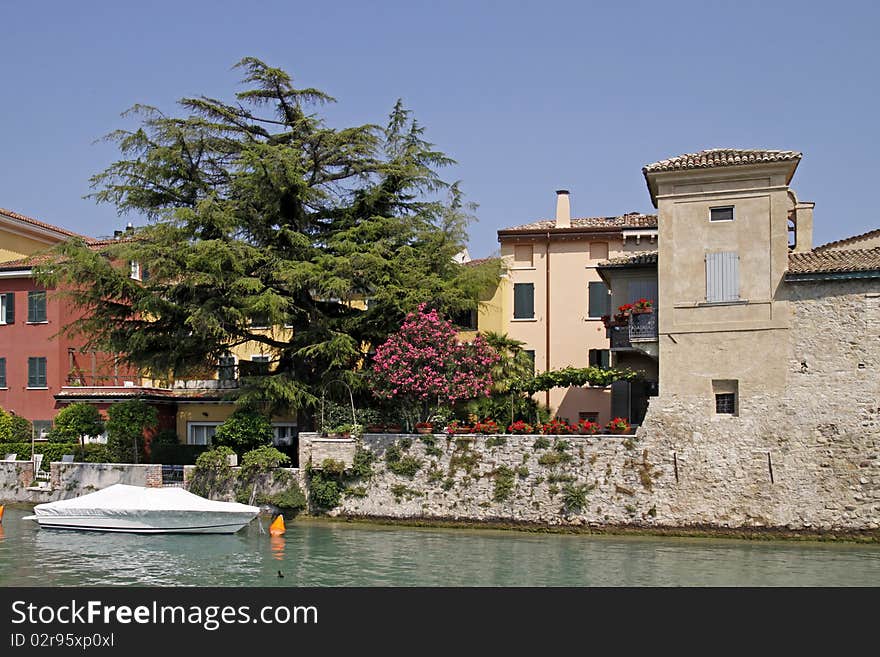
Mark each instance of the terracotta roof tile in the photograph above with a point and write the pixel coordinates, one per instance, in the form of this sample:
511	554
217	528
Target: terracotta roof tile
479	261
844	260
720	157
630	220
646	258
847	240
42	224
43	257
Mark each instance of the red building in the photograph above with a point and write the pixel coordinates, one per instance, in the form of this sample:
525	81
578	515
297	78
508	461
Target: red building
36	357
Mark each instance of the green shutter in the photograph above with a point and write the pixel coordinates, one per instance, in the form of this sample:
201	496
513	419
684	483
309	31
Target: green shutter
36	372
37	306
523	300
599	300
10	307
2	372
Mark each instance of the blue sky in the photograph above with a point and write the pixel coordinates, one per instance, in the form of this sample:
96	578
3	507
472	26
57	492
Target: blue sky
527	97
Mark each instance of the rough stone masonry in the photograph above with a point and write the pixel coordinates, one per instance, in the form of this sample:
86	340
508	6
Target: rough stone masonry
806	460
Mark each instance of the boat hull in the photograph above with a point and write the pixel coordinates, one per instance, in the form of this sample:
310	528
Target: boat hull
159	523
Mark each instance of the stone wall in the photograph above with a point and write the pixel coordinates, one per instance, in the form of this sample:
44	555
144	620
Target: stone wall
525	478
808	459
316	449
821	437
15	478
68	480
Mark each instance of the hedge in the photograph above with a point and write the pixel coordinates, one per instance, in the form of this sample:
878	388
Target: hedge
179	454
91	453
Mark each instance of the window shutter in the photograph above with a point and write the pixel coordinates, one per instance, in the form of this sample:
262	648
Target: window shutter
713	277
32	372
730	276
523	300
10	307
599	301
2	372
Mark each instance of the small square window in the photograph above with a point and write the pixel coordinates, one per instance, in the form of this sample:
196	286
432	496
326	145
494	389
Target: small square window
523	255
721	214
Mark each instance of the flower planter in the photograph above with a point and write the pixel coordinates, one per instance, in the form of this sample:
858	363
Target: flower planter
424	430
393	428
376	428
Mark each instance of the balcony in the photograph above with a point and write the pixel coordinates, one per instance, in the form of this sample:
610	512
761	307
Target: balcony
638	334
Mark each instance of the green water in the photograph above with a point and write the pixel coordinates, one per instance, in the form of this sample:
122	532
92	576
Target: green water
321	553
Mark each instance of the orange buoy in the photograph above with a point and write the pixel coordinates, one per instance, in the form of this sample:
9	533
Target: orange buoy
2	508
277	527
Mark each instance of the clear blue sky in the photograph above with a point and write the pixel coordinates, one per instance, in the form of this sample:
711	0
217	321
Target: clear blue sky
527	97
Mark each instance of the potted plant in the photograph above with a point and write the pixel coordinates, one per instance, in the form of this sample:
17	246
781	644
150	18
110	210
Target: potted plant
375	428
393	427
455	428
521	428
342	431
486	427
424	427
618	426
643	306
587	427
556	427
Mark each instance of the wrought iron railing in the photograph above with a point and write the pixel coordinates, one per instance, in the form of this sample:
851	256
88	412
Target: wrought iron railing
643	326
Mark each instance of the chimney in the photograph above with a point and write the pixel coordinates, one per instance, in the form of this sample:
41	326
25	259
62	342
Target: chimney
129	228
563	209
803	226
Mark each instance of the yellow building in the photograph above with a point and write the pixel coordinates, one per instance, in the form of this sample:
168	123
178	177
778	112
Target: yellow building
554	298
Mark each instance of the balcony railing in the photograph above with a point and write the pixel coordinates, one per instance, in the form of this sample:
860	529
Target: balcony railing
641	327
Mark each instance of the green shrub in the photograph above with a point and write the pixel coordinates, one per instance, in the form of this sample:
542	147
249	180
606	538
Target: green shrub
332	467
574	497
541	442
504	483
50	451
496	441
213	476
75	421
405	466
14	428
325	493
92	453
244	430
554	458
178	454
362	464
126	423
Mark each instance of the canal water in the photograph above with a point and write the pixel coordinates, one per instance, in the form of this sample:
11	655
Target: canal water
324	553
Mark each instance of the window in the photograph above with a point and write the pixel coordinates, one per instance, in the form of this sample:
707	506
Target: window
42	428
466	320
7	308
598	250
37	306
284	434
722	277
721	214
226	368
135	270
260	320
726	393
531	354
643	289
201	433
261	364
725	403
36	372
599	301
589	416
523	255
523	300
2	372
600	358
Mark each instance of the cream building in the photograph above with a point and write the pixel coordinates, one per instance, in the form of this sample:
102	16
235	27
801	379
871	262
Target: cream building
555	297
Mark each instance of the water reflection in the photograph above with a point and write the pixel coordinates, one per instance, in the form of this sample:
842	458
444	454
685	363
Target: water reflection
348	554
277	545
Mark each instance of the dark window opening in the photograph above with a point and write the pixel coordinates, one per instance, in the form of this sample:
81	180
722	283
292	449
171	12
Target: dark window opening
36	372
725	403
721	214
600	357
531	354
466	319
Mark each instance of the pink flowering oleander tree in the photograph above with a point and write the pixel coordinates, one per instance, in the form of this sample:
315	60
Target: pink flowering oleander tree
423	367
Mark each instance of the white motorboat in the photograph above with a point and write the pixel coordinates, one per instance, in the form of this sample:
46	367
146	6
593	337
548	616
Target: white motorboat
122	508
